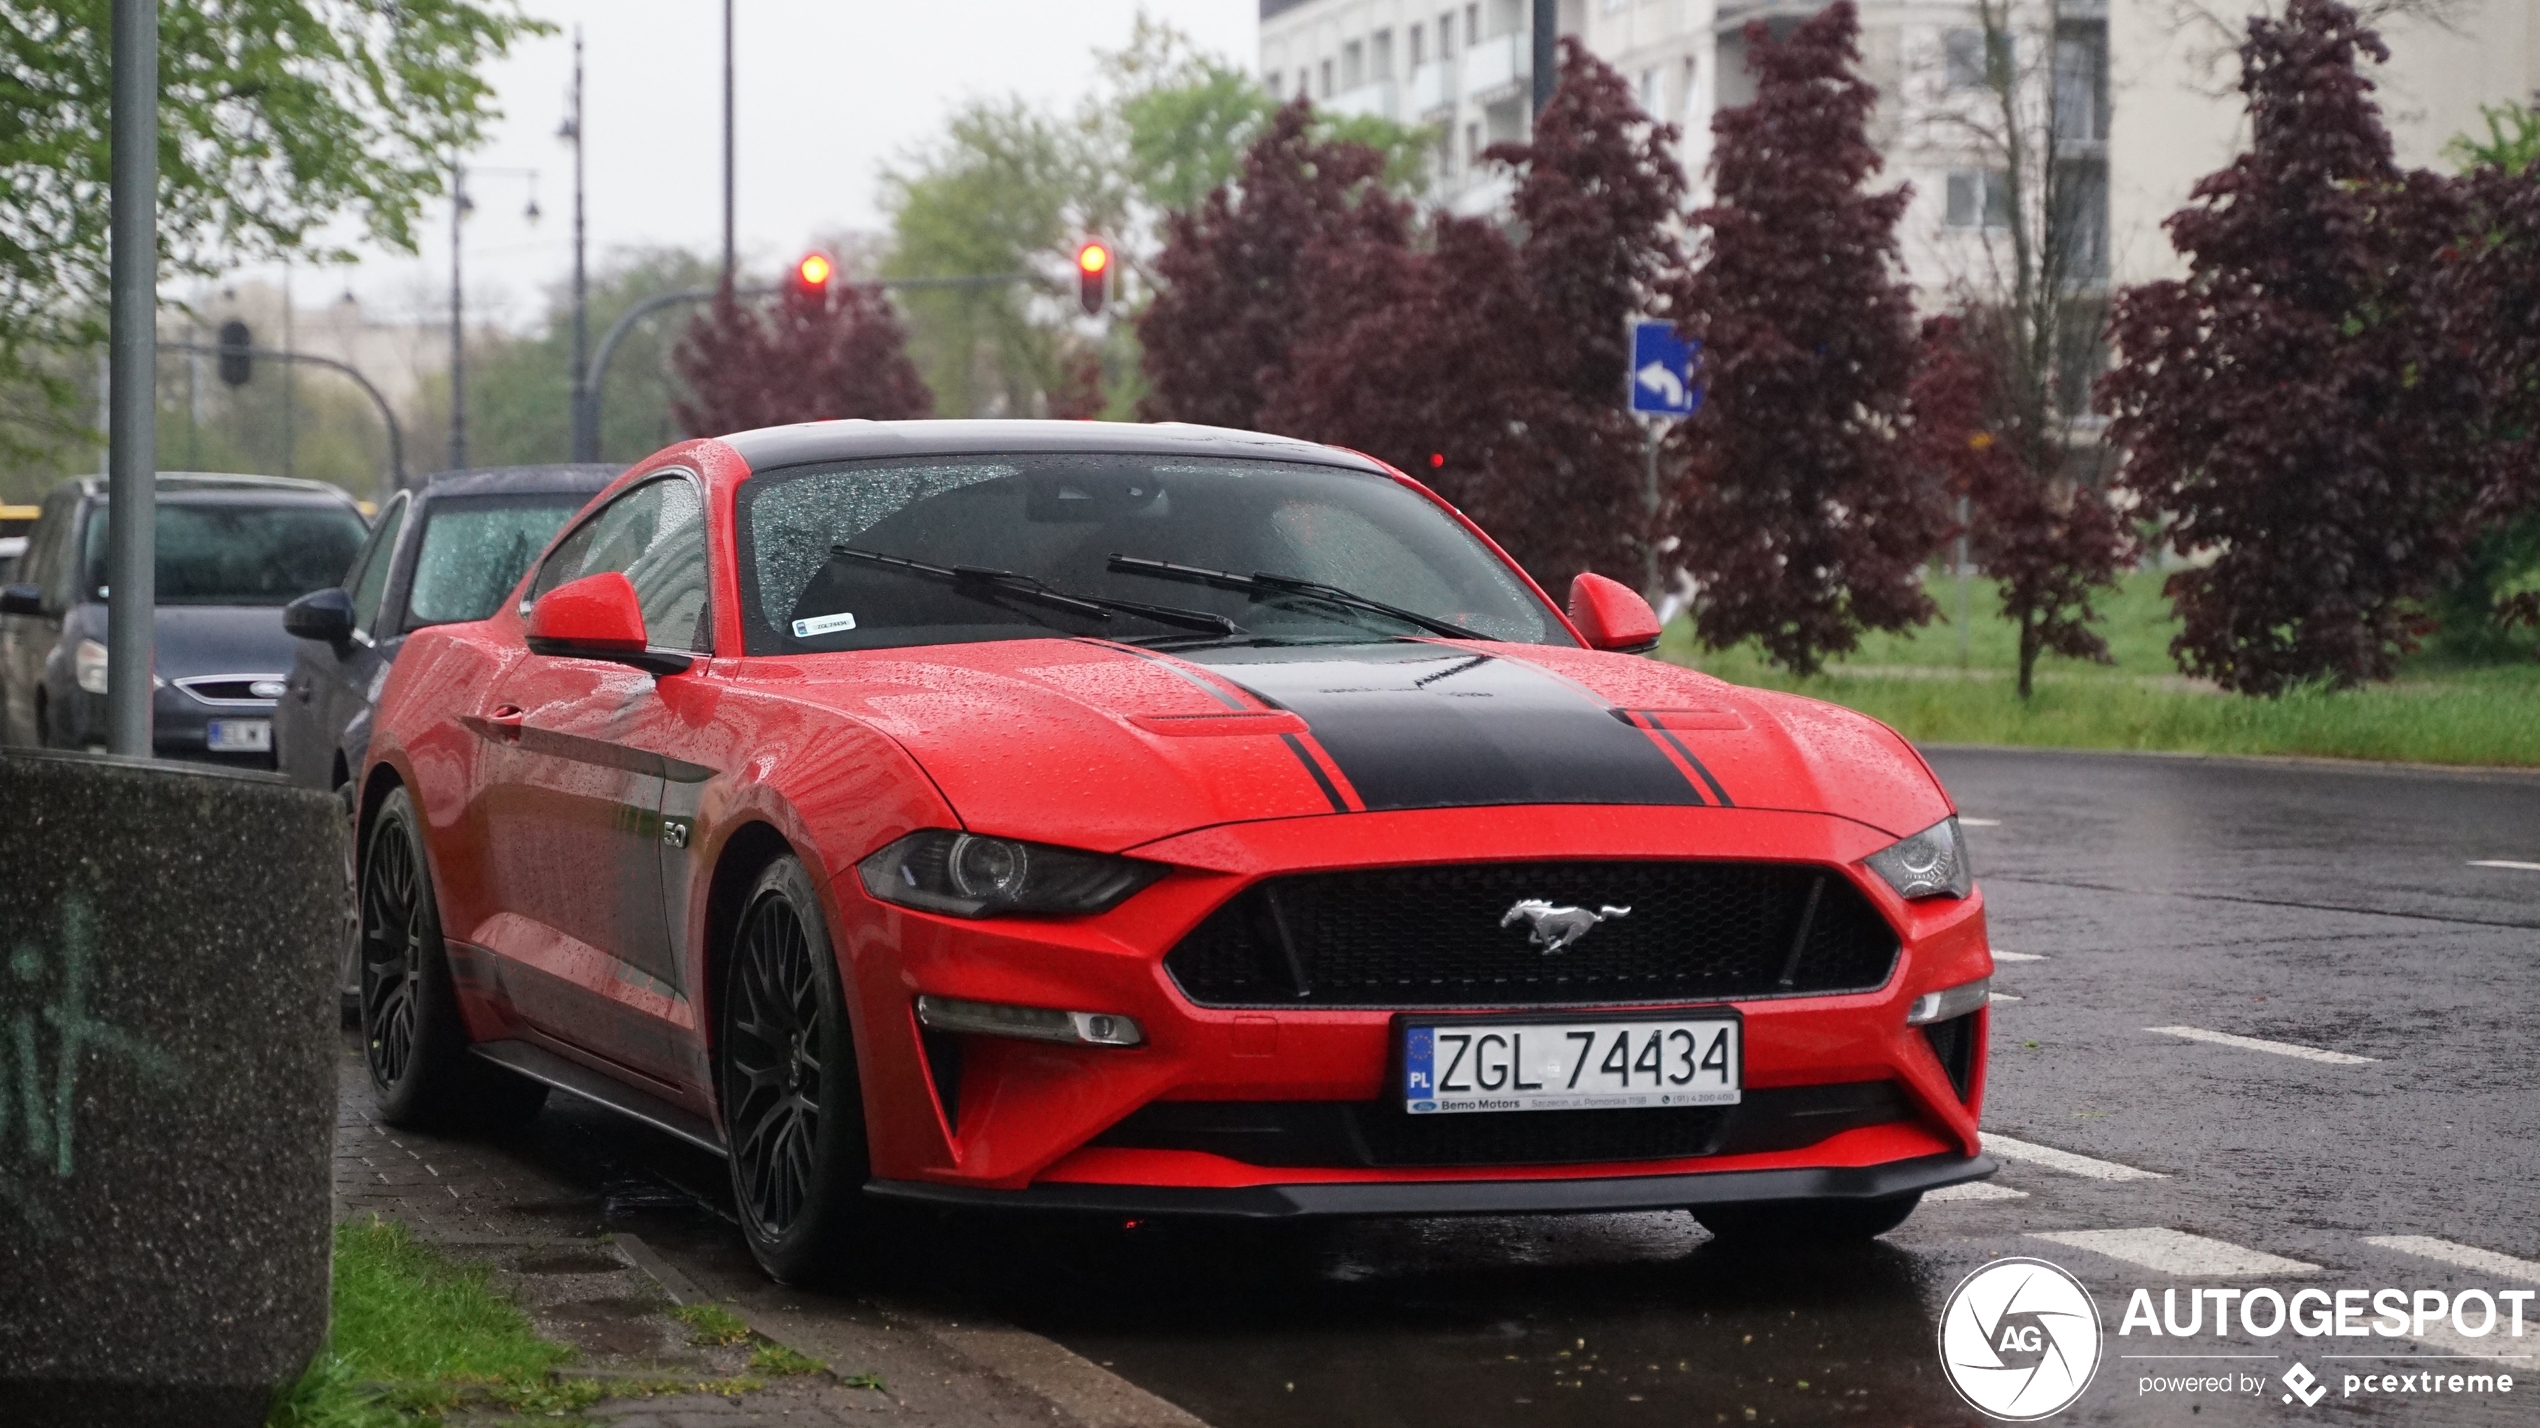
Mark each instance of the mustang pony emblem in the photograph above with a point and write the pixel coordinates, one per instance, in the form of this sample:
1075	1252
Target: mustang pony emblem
1555	928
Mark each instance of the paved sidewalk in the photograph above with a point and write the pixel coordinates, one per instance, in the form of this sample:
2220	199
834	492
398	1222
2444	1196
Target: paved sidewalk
570	1230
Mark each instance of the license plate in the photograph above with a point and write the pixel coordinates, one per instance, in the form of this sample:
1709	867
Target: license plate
239	736
1483	1065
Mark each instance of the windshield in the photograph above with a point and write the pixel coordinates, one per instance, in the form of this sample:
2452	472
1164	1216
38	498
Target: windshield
1060	519
475	549
239	553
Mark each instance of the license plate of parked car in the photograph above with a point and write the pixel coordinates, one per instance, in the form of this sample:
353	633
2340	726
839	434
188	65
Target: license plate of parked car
1483	1065
239	736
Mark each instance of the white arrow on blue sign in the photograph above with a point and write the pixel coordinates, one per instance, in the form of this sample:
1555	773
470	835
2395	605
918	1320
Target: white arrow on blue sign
1662	371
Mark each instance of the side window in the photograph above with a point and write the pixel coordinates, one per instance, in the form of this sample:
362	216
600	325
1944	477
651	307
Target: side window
655	535
369	576
56	550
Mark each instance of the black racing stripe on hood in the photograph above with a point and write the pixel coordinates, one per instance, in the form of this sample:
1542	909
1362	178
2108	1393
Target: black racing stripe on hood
1691	758
1432	726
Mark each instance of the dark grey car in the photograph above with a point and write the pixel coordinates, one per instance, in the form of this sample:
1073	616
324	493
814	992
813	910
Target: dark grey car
446	553
231	552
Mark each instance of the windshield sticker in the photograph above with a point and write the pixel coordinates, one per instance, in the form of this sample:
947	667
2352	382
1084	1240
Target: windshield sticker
823	625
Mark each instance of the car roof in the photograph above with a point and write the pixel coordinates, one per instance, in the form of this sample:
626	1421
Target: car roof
775	446
222	483
563	478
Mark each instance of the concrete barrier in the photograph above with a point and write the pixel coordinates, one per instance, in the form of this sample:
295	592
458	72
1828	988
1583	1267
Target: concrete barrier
168	937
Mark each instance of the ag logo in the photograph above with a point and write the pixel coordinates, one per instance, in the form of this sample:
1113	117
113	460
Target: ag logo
2019	1339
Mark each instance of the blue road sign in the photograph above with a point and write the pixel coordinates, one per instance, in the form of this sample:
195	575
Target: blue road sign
1662	381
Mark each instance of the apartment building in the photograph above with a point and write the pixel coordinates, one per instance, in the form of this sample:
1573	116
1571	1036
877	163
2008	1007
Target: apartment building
2138	94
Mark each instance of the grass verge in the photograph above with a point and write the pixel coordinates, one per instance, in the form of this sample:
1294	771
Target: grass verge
416	1335
2435	712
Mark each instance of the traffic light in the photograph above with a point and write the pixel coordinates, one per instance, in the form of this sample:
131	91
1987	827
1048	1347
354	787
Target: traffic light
237	368
1093	275
814	271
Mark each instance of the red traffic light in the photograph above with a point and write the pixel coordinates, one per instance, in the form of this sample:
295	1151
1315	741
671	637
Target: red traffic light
1093	276
814	270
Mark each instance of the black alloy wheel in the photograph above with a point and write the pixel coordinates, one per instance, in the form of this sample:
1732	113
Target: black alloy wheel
793	1111
1798	1224
412	1038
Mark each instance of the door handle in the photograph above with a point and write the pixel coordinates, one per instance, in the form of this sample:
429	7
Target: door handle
506	714
502	722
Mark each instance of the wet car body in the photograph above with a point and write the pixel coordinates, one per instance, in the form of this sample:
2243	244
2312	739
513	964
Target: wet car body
322	726
1341	837
220	647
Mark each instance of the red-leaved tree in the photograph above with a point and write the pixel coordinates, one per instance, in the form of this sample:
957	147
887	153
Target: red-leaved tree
1494	367
2049	542
1804	515
2294	406
819	354
1229	279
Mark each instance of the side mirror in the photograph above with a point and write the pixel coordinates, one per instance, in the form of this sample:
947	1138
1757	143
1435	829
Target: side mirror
21	600
325	615
597	617
1612	615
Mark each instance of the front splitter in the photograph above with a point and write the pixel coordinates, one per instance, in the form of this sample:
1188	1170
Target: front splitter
1462	1197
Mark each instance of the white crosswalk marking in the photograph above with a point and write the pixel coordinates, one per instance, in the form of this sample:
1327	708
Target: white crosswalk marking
2177	1252
2002	996
2504	863
2006	1148
1966	822
1972	1190
2251	1043
2001	956
2503	1266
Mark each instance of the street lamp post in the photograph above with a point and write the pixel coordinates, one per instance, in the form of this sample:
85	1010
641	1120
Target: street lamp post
132	418
586	436
460	206
729	262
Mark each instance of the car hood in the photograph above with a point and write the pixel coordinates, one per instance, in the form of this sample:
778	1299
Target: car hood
1104	746
205	639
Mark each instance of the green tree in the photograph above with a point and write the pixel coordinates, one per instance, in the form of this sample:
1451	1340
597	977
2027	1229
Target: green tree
276	118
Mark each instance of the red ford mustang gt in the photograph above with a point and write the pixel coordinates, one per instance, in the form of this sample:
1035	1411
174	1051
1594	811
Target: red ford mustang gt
1152	820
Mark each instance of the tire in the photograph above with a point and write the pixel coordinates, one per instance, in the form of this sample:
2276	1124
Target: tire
793	1109
413	1040
348	976
1799	1224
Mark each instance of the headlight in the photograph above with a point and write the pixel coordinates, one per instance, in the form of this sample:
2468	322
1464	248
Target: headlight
970	876
88	666
1932	863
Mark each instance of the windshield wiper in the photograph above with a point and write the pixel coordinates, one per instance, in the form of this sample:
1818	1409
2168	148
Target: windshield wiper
1027	587
1264	582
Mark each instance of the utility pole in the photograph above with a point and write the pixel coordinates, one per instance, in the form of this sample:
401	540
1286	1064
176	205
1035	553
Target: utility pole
1547	50
458	322
728	259
132	422
586	436
290	379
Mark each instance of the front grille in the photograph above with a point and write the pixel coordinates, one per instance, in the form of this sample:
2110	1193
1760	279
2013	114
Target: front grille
1343	1135
1434	937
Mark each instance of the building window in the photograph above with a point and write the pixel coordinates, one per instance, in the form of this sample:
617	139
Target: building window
1979	198
1472	25
1962	59
1380	55
1272	83
1419	45
1353	65
1326	91
1689	94
1649	90
1472	145
1446	36
2081	84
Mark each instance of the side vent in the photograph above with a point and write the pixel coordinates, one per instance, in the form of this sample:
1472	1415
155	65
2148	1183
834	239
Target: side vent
1954	1042
943	1070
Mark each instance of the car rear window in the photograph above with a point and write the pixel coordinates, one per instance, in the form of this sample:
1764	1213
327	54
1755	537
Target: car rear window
475	549
1059	518
232	552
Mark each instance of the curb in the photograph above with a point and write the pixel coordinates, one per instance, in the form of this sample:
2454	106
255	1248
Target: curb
2472	773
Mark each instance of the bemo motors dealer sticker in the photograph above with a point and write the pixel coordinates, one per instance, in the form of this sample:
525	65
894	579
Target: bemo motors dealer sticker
2019	1339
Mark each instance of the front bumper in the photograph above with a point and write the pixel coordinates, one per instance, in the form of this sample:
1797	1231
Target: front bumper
1600	1195
980	1119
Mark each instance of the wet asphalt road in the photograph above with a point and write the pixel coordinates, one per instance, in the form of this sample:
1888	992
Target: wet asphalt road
2331	909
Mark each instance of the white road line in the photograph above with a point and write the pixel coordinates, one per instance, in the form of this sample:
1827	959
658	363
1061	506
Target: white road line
2251	1043
2001	956
2006	1148
2177	1252
2002	996
2504	863
1972	1190
2504	1266
1965	822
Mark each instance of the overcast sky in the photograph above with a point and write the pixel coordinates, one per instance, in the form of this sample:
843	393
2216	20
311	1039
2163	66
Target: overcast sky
828	91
